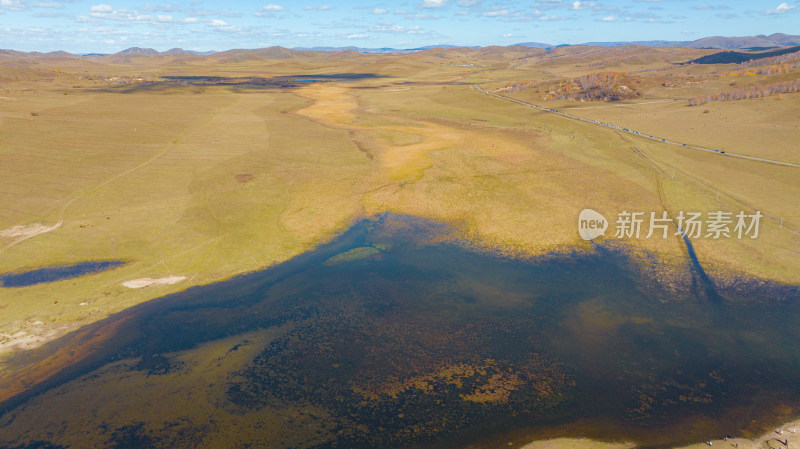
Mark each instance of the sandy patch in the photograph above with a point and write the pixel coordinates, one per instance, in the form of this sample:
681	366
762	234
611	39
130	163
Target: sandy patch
783	437
27	231
568	443
146	282
34	335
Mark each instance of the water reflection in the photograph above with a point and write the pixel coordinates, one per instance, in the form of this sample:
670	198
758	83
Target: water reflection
56	273
386	338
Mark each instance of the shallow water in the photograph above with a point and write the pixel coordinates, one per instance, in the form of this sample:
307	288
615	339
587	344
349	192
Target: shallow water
56	273
385	338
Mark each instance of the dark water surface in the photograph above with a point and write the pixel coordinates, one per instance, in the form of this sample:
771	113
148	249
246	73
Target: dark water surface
56	273
384	338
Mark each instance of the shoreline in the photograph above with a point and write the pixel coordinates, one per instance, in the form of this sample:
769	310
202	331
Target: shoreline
729	280
436	236
784	436
667	273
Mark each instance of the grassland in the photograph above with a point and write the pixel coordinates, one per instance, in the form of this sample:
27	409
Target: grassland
689	180
206	182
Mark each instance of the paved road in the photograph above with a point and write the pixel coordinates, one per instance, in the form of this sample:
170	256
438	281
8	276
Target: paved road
637	133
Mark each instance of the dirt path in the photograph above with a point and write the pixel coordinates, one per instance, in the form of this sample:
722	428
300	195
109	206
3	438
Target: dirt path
43	229
636	133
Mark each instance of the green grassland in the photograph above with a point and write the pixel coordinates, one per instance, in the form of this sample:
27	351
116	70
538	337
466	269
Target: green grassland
692	180
207	182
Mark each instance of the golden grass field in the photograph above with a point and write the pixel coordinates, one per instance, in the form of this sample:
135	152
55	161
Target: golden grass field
206	182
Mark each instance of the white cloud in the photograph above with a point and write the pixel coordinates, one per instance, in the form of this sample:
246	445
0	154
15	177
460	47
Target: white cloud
48	14
324	7
433	3
609	19
13	5
270	10
579	5
98	8
52	5
707	7
393	28
551	18
166	18
159	8
783	8
357	36
106	12
468	2
421	16
380	11
221	25
211	12
496	13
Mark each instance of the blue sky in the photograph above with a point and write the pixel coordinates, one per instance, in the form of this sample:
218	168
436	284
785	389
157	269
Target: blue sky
109	26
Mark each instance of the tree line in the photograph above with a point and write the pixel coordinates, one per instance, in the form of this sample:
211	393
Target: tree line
774	60
594	86
749	92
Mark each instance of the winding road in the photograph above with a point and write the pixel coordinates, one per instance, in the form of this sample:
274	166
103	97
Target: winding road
637	133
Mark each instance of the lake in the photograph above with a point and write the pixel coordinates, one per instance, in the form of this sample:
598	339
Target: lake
393	335
55	273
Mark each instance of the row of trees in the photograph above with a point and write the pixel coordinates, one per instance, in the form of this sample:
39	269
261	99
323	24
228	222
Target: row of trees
765	70
599	86
773	69
517	86
600	80
594	86
748	93
656	69
780	59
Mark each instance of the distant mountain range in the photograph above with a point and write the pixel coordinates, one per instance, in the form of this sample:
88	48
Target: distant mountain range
748	42
760	41
730	43
534	45
374	50
138	51
643	43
